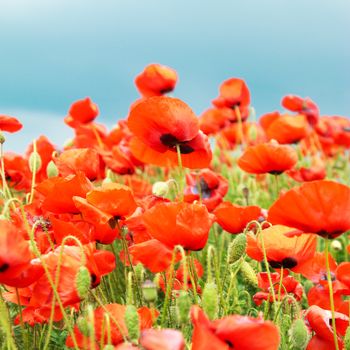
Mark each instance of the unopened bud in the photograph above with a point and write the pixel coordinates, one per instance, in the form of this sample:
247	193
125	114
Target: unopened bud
336	245
51	169
34	162
210	300
237	248
183	306
299	334
132	323
249	275
83	326
83	282
160	188
2	138
149	291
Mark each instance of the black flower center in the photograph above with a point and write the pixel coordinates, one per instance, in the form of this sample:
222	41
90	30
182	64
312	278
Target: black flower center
171	141
286	263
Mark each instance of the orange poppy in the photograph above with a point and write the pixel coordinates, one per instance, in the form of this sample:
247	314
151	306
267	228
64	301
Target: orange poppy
207	186
268	158
281	249
161	124
234	218
85	160
303	106
181	223
9	124
213	120
319	207
284	128
233	332
81	112
233	93
58	192
319	321
156	80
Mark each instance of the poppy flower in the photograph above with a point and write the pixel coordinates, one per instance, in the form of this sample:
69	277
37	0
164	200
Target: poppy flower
162	339
85	160
317	171
319	207
234	218
233	93
58	192
284	129
289	286
269	158
163	124
233	332
214	120
9	124
181	223
207	186
283	249
156	80
15	255
117	315
319	321
303	106
81	112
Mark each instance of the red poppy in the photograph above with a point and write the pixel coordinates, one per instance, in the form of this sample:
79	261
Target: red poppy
268	158
85	160
58	192
15	255
9	124
163	124
234	93
303	106
81	112
206	186
156	80
320	322
289	286
233	332
213	120
284	128
317	171
162	339
281	249
319	207
179	224
234	218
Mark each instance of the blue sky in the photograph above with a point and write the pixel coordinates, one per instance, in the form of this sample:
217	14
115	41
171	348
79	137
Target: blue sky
55	52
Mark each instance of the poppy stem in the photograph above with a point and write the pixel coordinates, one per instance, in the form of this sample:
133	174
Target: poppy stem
98	138
5	324
34	171
240	135
330	288
181	180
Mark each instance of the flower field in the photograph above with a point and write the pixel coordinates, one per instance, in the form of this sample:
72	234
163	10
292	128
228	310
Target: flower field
173	231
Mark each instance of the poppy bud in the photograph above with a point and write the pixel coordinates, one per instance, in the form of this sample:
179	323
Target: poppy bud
183	305
139	272
347	339
34	162
83	326
2	138
83	282
68	143
299	334
336	245
132	323
249	275
237	248
285	323
51	169
160	188
108	347
210	300
149	291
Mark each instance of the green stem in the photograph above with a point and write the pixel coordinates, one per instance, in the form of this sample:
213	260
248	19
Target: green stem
181	181
330	287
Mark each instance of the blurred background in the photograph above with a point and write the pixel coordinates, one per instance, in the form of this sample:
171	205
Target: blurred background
55	52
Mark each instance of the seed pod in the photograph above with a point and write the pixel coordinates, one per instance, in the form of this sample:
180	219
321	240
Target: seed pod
34	162
83	282
299	334
249	275
237	248
83	326
2	138
132	323
51	169
210	300
183	306
149	291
